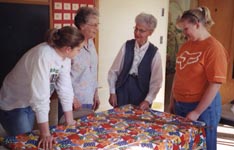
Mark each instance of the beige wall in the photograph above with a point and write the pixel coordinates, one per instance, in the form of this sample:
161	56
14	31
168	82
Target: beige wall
116	26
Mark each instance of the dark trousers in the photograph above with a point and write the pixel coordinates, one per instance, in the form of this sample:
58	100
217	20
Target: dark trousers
130	92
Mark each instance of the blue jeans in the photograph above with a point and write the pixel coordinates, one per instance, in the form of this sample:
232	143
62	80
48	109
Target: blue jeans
17	121
211	116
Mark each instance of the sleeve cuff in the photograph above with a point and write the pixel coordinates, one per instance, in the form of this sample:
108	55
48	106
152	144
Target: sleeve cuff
112	91
42	117
149	99
67	107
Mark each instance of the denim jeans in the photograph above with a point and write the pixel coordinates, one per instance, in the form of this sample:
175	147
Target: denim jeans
211	116
17	121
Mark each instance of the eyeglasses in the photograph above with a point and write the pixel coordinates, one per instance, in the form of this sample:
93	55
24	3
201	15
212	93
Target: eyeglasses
139	30
93	25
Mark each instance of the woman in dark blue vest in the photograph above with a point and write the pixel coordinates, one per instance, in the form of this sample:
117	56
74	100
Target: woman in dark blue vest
135	76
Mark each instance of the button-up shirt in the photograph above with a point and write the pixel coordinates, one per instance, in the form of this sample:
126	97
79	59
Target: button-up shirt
84	73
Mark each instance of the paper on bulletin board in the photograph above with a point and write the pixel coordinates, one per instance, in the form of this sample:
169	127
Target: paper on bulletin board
64	11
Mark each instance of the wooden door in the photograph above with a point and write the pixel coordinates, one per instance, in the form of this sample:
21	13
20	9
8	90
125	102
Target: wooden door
222	13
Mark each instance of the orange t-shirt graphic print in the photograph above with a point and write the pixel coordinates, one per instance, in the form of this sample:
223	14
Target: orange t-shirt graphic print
187	58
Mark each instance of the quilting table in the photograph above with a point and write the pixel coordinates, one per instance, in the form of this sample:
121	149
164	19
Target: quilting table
124	128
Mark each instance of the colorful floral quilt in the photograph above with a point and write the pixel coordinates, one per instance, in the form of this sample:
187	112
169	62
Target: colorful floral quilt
123	128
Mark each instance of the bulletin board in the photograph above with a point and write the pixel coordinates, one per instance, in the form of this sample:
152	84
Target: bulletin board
64	11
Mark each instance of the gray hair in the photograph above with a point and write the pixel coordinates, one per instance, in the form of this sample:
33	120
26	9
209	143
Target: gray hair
148	19
83	14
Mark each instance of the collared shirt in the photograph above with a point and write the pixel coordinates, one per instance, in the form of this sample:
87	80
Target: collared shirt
84	73
139	52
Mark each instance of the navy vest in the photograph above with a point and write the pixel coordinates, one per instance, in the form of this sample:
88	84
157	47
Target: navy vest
144	68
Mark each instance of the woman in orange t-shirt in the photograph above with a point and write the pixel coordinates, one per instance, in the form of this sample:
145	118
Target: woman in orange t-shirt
201	67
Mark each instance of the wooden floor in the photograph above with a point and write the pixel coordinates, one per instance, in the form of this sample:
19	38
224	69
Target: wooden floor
225	139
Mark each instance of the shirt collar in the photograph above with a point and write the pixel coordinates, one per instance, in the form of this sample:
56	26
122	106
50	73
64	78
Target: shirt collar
89	44
143	47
